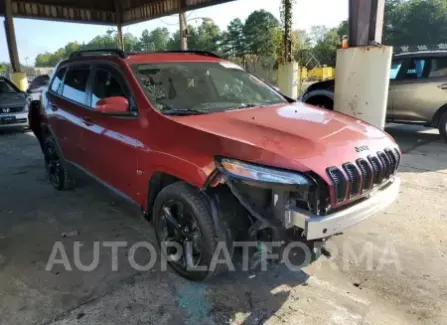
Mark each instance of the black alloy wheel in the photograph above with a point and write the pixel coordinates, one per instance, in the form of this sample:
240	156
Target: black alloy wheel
54	164
186	232
179	227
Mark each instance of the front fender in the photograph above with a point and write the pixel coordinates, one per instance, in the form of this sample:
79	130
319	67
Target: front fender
178	167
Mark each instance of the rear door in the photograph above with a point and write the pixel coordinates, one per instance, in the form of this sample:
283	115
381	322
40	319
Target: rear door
66	101
111	141
416	95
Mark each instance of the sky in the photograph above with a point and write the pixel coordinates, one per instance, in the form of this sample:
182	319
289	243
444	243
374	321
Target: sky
38	36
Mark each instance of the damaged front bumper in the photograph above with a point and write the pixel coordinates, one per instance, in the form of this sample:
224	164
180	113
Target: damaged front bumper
317	227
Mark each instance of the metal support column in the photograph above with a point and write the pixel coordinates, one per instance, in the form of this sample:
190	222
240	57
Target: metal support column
11	37
183	26
365	22
363	69
119	23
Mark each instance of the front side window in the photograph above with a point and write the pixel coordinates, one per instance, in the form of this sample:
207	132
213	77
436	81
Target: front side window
105	85
56	85
75	84
415	69
202	87
395	68
438	68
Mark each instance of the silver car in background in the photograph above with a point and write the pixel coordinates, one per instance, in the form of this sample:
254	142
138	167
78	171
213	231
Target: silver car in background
417	93
13	105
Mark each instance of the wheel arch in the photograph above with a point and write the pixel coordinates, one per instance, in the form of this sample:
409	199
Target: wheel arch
319	93
438	114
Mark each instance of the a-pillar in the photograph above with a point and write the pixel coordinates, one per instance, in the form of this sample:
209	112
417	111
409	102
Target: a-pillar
363	69
17	77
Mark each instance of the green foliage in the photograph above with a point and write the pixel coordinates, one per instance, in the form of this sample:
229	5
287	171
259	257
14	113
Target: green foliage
155	40
415	22
262	37
234	43
260	33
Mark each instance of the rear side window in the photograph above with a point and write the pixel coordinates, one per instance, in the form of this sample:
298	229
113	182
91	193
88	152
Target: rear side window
75	84
438	68
57	80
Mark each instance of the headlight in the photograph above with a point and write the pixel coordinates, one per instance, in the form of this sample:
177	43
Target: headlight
252	172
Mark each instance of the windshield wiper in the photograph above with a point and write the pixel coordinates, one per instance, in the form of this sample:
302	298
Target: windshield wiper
169	110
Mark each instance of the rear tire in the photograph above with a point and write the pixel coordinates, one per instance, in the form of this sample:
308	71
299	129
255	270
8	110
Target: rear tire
442	126
55	165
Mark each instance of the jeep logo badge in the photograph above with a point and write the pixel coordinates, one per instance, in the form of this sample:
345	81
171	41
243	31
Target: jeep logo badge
361	148
5	110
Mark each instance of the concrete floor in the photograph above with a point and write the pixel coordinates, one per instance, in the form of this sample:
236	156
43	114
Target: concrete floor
400	279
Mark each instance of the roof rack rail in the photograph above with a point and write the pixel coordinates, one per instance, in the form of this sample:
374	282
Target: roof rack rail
122	54
198	52
403	49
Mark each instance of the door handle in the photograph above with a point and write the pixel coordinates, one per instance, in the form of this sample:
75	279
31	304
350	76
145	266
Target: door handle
87	120
443	87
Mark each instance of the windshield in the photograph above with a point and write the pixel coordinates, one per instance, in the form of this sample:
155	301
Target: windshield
202	87
6	87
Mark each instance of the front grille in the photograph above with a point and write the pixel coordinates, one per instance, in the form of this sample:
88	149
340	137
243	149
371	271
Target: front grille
339	181
354	178
364	174
377	169
367	173
8	110
386	164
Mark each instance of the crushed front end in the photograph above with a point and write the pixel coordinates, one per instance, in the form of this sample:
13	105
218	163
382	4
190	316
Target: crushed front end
305	203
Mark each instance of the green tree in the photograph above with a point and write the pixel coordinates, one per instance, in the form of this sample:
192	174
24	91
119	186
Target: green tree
260	32
324	42
233	40
156	40
415	22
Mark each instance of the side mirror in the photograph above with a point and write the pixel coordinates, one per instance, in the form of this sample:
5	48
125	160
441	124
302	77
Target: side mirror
113	105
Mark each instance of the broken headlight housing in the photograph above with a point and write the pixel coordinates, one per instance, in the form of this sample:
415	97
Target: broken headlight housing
257	173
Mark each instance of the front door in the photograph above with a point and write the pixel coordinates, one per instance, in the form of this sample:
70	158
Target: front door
111	141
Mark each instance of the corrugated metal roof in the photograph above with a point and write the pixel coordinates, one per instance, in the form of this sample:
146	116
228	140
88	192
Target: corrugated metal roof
102	11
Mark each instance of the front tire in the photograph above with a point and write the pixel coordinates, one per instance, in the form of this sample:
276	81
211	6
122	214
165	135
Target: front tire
56	168
182	217
442	126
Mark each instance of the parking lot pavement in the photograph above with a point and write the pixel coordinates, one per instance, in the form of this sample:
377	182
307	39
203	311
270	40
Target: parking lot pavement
387	270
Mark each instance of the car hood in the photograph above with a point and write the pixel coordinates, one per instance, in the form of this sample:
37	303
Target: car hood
12	99
314	138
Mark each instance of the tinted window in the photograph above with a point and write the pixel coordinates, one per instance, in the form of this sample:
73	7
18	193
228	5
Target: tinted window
415	69
438	68
75	84
395	68
57	81
6	86
105	85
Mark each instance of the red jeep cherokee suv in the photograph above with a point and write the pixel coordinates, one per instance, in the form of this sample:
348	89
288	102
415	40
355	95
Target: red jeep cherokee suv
210	152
